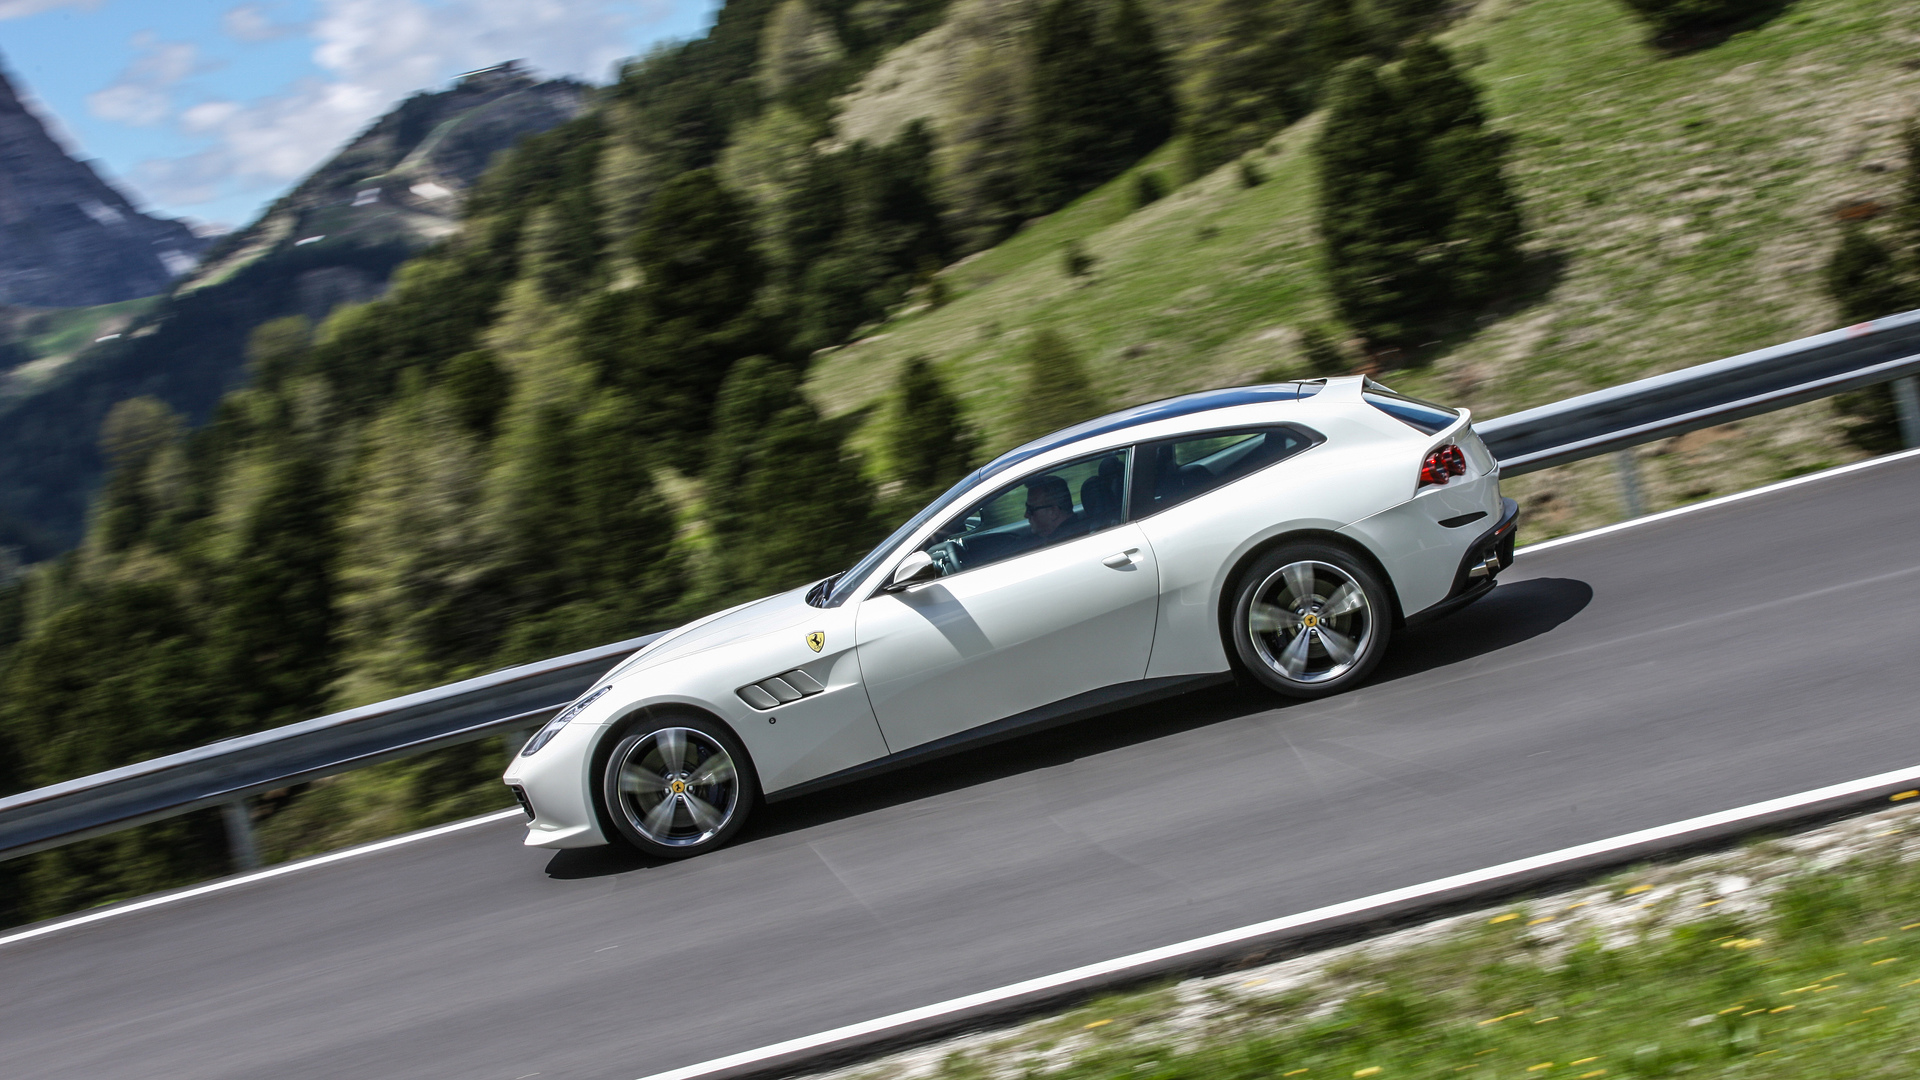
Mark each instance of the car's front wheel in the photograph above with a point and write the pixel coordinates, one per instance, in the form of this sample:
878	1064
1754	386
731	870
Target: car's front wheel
1310	619
678	785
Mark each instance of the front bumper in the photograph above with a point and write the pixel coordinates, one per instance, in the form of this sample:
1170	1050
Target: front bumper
1489	554
552	787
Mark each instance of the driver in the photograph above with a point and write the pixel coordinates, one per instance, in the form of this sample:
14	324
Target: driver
1050	511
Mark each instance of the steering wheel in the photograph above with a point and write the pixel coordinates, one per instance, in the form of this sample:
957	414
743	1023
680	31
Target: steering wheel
946	556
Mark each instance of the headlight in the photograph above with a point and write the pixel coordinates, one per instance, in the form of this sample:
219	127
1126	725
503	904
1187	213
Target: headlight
554	725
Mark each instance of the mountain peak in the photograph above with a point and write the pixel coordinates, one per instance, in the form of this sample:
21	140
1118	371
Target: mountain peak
67	237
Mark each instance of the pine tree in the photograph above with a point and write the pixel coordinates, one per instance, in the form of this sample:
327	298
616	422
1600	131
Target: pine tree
784	502
425	594
591	538
1869	279
796	45
1906	217
278	348
1067	143
1374	212
1323	353
1248	80
1864	278
1145	75
134	438
478	389
1057	392
1670	17
1419	223
981	160
1085	112
273	647
812	512
1334	34
668	343
1474	213
931	444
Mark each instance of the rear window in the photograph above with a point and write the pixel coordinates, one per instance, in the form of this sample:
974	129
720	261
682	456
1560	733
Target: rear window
1179	469
1422	416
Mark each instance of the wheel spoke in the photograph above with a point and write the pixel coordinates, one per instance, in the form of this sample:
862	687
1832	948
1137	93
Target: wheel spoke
638	781
1346	598
1293	659
1300	581
1338	645
717	769
673	751
659	820
1269	618
705	814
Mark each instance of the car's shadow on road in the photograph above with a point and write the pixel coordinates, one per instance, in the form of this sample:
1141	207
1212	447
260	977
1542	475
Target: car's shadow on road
1511	614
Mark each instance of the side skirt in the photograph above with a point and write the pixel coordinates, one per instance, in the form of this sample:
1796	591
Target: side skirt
1065	711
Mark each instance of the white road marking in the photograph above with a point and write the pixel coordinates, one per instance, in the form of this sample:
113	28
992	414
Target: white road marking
259	875
1768	489
1123	964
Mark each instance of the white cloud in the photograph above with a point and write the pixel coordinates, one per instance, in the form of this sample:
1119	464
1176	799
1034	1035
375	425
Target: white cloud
372	54
20	9
143	94
253	23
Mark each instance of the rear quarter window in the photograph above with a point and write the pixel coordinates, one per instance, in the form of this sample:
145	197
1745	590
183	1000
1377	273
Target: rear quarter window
1175	470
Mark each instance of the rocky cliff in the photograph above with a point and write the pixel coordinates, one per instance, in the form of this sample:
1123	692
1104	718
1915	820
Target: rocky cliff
67	238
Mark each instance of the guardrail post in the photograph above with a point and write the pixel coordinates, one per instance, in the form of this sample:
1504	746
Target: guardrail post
1629	472
240	834
1906	402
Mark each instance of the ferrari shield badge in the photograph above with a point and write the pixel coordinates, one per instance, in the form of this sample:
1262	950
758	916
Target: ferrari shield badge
817	640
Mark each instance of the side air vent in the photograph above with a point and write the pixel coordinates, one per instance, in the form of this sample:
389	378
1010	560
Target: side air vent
771	693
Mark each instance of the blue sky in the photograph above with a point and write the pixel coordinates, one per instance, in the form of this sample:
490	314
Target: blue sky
208	109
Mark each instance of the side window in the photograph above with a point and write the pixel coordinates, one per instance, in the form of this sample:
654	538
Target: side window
1176	470
1046	508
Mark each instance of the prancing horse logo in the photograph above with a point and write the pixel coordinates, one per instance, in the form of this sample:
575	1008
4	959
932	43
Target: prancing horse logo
817	640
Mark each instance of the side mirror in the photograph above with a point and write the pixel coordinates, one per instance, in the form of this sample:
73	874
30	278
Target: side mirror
918	566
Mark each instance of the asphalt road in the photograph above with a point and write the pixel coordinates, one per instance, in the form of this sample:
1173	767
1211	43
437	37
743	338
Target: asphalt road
1692	665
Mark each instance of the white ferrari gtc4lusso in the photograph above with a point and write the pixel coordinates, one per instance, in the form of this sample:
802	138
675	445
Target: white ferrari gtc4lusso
1281	533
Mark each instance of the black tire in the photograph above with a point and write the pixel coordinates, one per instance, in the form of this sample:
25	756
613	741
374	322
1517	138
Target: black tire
675	810
1345	617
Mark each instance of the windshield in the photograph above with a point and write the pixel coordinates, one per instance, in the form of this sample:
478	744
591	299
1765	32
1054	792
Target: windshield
844	585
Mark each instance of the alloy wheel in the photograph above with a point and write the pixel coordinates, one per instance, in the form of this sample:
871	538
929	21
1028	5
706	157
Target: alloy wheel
677	786
1310	621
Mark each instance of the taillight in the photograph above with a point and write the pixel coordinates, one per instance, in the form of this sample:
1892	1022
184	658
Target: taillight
1442	464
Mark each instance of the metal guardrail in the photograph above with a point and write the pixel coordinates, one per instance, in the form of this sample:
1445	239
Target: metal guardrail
515	700
226	773
1621	417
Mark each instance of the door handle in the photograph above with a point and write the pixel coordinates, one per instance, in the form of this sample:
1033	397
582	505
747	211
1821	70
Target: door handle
1120	559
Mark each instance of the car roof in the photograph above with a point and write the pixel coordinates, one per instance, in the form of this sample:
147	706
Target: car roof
1152	411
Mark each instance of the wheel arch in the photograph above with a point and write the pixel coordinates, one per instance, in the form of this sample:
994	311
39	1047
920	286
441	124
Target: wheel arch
1230	582
647	712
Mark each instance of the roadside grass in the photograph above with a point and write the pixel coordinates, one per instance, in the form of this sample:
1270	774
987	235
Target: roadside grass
1796	958
1682	209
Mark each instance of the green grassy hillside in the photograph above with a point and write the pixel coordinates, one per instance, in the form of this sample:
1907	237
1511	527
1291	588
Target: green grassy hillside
1681	208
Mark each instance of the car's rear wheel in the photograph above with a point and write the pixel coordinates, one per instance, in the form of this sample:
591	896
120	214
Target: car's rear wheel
678	785
1310	619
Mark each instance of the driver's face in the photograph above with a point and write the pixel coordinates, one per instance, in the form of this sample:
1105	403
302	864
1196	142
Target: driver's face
1047	514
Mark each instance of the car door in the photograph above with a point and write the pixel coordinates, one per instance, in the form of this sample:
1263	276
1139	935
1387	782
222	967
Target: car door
1017	620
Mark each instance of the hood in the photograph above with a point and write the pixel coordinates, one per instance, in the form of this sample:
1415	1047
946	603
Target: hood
751	619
